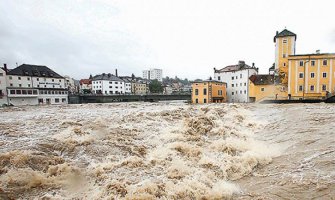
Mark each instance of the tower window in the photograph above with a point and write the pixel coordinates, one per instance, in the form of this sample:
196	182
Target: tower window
300	88
284	55
324	87
324	75
312	87
312	75
313	63
301	75
284	41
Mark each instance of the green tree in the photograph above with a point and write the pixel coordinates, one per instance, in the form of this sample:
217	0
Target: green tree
156	87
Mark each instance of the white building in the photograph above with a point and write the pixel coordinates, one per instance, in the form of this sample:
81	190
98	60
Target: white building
3	85
35	84
108	84
153	74
236	77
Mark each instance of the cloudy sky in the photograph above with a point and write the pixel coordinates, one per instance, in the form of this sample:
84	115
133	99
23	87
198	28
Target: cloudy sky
186	38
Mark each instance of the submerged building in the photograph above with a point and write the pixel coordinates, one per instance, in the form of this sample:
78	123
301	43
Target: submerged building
237	79
210	91
35	84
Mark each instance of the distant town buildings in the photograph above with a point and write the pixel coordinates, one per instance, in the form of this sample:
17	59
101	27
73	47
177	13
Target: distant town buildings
34	84
153	74
210	91
237	79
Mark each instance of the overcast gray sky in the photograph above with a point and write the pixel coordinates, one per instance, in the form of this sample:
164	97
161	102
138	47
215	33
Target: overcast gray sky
186	38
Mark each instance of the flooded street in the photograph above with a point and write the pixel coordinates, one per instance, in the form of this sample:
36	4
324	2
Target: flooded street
168	151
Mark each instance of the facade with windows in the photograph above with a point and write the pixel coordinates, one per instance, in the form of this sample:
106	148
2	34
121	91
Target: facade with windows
311	76
3	85
237	79
209	91
35	84
108	84
153	74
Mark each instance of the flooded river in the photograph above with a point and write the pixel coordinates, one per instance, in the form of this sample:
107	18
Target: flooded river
168	151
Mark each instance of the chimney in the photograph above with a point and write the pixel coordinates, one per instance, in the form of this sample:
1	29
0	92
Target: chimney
318	51
5	68
116	72
277	33
241	63
253	65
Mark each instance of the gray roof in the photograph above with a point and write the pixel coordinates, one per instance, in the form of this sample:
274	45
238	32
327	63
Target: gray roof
108	77
230	68
284	33
34	70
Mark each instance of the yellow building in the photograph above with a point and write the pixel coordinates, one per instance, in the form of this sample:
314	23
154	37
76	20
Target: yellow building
209	92
308	76
263	87
285	46
311	76
139	87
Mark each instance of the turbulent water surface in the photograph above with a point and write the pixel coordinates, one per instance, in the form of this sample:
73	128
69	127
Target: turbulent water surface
168	151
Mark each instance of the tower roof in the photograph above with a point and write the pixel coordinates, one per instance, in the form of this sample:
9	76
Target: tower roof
284	33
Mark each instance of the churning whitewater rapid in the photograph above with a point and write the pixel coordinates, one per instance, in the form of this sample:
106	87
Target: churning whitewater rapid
167	151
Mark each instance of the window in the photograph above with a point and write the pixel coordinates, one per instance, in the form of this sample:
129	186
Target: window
232	78
301	63
301	75
18	91
262	89
205	100
11	84
240	84
56	100
19	78
10	78
240	91
324	62
313	63
1	74
245	84
232	85
28	85
245	92
284	55
196	92
324	75
284	41
20	85
232	93
324	87
53	80
34	91
236	84
236	77
240	75
12	91
205	91
24	91
312	75
284	64
219	78
63	100
37	79
60	80
196	101
312	87
28	78
300	88
220	92
38	85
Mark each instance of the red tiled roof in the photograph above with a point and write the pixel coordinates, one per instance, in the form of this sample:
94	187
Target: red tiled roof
85	81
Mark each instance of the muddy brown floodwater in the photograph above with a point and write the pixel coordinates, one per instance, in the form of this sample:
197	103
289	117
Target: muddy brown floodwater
168	150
